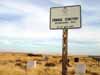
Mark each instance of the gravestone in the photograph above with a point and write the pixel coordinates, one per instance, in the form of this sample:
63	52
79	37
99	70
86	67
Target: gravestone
31	64
80	69
76	59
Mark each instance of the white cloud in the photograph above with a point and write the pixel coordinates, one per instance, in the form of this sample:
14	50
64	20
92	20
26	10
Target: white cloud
66	2
35	23
5	42
85	34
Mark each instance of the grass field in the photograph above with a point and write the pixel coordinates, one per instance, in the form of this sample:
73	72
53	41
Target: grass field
15	64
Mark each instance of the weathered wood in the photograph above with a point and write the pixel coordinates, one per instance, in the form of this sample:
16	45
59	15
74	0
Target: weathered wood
64	52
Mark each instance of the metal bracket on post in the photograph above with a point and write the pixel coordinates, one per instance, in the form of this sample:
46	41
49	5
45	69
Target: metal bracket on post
65	52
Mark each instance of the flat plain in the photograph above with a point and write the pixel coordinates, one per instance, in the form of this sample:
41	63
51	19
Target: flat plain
16	64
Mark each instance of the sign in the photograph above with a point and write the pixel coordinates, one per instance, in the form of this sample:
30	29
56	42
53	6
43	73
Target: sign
80	69
31	64
67	17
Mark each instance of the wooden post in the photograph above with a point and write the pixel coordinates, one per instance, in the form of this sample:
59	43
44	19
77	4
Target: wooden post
65	52
26	70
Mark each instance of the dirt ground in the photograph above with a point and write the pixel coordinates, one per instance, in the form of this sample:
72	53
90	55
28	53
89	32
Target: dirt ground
16	64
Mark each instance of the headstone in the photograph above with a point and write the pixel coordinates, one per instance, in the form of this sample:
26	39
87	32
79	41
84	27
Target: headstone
31	64
45	58
80	69
35	64
76	59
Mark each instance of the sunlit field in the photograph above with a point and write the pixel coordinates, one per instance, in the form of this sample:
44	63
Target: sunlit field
15	64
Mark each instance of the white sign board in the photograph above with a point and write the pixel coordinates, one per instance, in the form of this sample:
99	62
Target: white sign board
80	69
31	64
67	17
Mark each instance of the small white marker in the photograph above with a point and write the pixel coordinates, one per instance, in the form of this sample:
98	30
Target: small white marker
31	64
80	69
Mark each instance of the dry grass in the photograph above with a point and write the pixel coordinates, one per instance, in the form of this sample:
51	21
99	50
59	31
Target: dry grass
15	64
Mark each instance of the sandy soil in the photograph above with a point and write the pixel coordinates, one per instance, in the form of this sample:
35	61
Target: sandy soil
16	64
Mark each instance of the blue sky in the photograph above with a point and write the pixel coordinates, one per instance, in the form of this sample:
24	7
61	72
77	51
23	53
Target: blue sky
24	27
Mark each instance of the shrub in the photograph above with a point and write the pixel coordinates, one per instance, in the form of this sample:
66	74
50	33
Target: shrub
94	73
31	55
50	65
